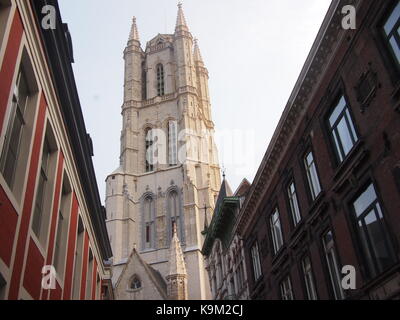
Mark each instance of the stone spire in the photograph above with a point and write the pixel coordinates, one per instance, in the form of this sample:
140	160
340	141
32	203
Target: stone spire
177	276
134	35
176	262
197	54
181	24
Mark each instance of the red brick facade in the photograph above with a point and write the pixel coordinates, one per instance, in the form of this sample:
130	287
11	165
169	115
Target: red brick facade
344	62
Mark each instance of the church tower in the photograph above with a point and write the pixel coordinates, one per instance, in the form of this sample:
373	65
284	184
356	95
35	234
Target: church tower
169	167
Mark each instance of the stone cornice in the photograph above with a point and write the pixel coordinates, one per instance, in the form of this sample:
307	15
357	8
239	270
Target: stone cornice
328	38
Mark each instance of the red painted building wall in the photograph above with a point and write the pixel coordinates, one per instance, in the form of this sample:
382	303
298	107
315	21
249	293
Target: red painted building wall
21	260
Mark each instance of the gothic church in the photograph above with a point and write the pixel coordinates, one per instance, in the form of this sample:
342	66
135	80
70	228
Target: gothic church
168	171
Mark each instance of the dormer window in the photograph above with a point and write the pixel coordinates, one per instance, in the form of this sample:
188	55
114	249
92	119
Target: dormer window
160	80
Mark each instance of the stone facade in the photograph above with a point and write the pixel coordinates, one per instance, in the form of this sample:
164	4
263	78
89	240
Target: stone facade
166	94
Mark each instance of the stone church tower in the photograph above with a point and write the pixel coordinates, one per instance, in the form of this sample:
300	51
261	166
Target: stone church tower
169	167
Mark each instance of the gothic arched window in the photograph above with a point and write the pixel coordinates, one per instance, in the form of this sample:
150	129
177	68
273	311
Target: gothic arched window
172	143
149	150
136	283
148	223
160	80
174	212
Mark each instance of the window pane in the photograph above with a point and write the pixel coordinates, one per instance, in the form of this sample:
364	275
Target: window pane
378	242
337	111
365	200
395	47
393	19
345	136
315	181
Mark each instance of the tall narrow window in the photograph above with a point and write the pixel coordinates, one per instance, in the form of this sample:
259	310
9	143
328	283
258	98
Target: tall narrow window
89	277
78	261
333	265
174	211
286	289
276	231
144	81
62	227
312	175
5	6
160	80
294	204
148	225
3	285
173	143
149	150
391	29
309	279
342	129
373	233
11	149
255	257
38	215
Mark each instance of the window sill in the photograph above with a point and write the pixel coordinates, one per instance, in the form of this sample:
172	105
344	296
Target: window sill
279	259
297	235
373	284
349	165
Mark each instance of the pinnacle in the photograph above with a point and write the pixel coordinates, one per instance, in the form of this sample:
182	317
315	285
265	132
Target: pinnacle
134	35
177	262
181	21
197	53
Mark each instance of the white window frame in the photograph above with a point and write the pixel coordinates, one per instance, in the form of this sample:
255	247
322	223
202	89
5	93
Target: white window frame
294	203
255	256
276	231
312	176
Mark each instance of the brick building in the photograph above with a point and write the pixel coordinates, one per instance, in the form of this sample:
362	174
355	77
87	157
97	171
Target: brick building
50	210
327	193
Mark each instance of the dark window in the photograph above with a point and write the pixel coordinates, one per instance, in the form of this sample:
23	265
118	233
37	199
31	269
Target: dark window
276	231
391	29
309	279
40	195
372	232
148	223
312	175
160	80
3	285
11	149
286	289
294	204
342	129
136	283
255	257
333	265
149	150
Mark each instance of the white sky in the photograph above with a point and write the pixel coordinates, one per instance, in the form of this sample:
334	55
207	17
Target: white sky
253	49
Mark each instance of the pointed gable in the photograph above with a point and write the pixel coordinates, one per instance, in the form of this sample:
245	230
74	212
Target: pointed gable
152	284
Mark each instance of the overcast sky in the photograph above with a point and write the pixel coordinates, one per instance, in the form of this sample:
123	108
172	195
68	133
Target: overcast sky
254	51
